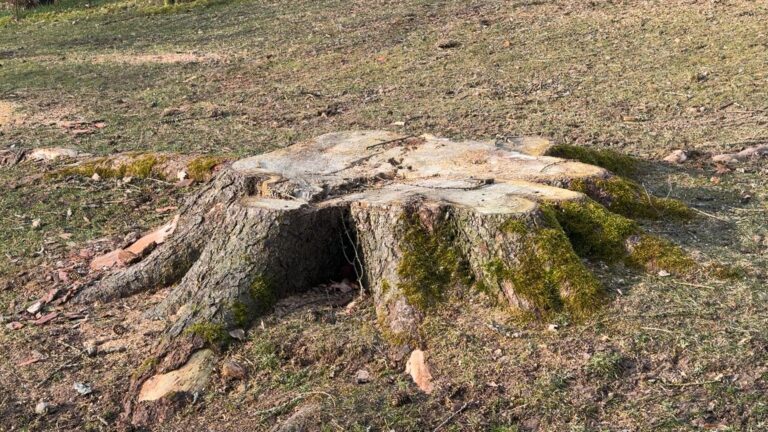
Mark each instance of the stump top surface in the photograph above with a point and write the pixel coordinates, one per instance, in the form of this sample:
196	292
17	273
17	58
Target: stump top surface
368	153
375	167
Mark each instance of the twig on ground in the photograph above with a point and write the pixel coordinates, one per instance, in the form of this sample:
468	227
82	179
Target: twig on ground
709	215
693	285
658	329
689	384
294	400
450	417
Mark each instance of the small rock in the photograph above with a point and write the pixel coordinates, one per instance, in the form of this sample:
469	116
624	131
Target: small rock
233	370
676	157
36	224
82	388
90	347
663	273
553	327
238	334
127	179
95	177
35	307
181	175
362	377
42	408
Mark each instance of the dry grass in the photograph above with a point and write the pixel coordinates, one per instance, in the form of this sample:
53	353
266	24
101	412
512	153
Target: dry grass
643	77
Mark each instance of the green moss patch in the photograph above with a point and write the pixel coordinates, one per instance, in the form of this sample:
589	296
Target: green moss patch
240	313
211	333
263	295
548	275
431	260
726	272
655	254
201	168
139	167
614	162
594	231
629	199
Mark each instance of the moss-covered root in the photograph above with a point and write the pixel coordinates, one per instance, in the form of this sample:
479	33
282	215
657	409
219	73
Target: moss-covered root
597	233
139	166
163	166
543	273
617	163
629	199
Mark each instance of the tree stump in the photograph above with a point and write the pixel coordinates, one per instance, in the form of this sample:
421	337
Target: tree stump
415	217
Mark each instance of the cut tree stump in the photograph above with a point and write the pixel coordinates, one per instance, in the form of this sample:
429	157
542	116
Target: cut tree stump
415	216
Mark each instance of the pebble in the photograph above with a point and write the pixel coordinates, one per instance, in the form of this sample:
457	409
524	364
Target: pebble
90	347
42	408
363	376
82	388
238	334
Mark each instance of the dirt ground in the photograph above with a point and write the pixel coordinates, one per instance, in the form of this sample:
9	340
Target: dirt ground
242	77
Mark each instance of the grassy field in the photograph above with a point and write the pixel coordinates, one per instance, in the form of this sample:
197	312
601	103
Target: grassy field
242	77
